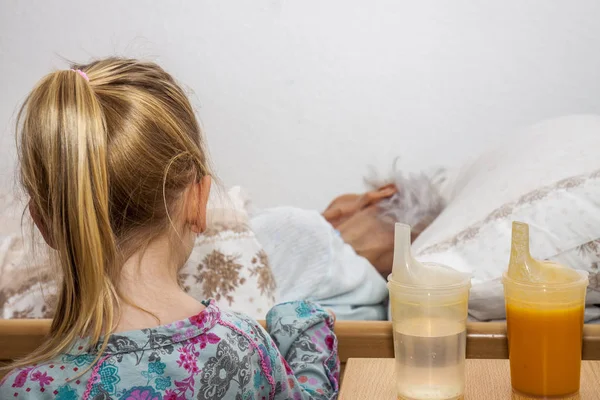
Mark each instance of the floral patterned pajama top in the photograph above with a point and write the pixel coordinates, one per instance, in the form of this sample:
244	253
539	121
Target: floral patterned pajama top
213	355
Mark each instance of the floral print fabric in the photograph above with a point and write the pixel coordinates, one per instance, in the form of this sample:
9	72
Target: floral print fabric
213	355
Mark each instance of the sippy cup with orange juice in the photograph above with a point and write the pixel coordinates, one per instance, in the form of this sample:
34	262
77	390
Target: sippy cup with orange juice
544	315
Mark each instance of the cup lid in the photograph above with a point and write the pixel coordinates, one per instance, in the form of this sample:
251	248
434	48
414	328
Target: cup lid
408	272
526	270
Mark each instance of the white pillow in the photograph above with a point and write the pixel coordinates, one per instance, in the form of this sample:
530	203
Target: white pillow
27	288
547	176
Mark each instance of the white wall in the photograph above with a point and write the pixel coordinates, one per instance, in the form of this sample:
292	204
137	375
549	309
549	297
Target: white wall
297	97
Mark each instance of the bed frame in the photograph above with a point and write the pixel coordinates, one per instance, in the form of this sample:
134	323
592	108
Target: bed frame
357	339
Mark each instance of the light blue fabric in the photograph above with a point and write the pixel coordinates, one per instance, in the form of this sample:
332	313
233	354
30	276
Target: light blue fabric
311	261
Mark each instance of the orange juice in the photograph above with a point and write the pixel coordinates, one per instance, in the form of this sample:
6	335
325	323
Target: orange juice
544	316
545	349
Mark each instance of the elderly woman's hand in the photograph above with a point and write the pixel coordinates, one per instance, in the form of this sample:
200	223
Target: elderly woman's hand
355	216
345	206
370	237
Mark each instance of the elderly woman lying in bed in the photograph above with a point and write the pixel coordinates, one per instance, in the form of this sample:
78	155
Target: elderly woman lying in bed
341	257
249	262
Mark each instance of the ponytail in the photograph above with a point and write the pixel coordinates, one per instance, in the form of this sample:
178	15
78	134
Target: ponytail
105	151
63	116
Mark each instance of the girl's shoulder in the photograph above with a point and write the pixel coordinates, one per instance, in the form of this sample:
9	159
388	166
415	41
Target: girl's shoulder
179	360
164	356
232	324
175	360
44	381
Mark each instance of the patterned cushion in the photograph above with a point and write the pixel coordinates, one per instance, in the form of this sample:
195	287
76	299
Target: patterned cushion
230	266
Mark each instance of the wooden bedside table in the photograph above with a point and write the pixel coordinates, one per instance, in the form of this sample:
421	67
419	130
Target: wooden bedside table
373	379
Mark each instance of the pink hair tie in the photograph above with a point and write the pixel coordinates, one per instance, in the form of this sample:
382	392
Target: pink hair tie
83	74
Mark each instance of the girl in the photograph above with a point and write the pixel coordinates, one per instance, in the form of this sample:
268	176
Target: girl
113	161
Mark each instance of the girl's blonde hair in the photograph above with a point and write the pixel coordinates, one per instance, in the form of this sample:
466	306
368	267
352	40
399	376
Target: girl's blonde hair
105	151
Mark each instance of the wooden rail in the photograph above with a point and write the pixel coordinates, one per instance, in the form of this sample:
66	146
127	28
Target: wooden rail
357	339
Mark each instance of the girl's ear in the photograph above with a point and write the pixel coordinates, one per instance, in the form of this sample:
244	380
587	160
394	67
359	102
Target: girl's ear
196	213
41	225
